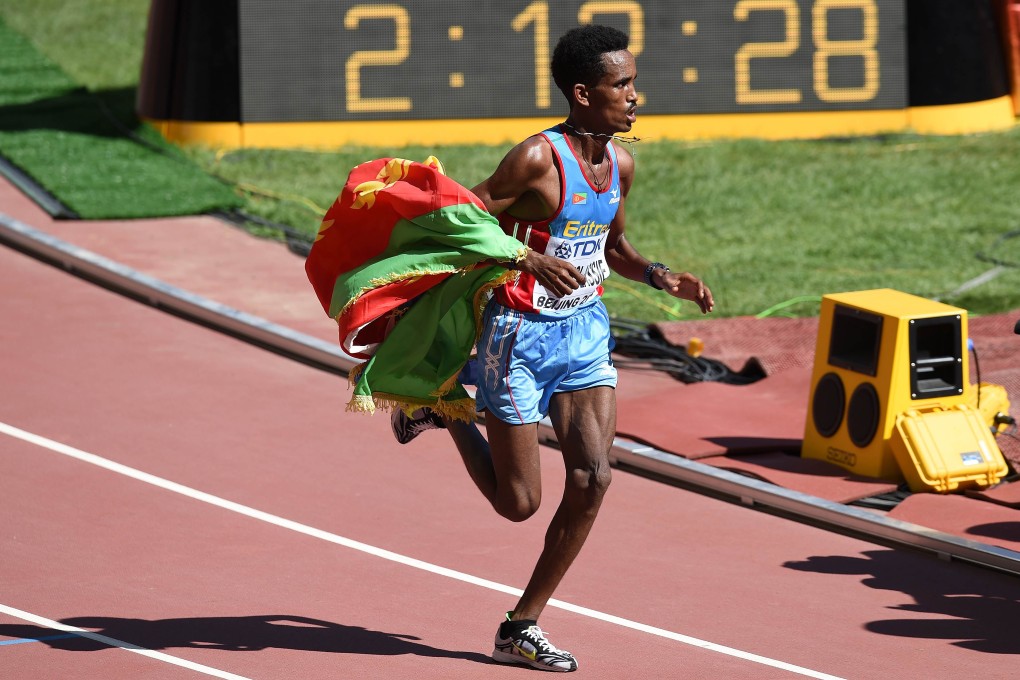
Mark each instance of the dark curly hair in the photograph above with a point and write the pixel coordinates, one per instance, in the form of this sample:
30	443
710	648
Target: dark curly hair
578	55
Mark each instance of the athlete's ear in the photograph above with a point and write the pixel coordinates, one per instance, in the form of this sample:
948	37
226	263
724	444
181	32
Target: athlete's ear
581	94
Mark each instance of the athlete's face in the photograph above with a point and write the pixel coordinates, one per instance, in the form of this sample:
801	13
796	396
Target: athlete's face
614	97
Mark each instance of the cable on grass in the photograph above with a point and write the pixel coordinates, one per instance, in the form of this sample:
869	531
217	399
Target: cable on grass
640	293
985	257
787	303
1000	267
304	201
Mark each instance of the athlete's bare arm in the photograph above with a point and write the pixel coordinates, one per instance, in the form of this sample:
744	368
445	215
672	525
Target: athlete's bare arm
526	184
626	261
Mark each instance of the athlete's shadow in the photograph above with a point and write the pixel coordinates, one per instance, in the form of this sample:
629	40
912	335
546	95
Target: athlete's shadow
974	609
234	633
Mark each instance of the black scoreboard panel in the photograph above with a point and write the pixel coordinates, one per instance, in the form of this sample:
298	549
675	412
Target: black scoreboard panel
330	60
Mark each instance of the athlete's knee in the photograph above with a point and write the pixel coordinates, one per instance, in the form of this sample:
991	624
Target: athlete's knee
591	483
520	506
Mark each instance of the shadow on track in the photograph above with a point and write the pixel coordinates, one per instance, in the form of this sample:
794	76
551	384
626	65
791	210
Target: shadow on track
975	609
234	633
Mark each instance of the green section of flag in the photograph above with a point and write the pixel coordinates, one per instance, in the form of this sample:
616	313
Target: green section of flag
418	362
403	260
446	240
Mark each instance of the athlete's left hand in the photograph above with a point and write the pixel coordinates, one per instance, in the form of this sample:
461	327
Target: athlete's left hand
686	286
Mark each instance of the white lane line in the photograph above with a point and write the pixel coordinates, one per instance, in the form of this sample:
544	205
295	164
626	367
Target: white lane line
159	656
133	473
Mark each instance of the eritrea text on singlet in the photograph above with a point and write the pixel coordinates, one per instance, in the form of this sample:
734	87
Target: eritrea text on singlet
576	232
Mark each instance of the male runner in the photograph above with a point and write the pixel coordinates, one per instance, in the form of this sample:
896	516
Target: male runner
545	346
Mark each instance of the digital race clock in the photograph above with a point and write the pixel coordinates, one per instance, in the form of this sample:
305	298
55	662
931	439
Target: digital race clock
427	59
332	72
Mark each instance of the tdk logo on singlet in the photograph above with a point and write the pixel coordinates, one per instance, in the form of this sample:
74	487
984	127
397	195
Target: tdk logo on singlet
575	228
586	248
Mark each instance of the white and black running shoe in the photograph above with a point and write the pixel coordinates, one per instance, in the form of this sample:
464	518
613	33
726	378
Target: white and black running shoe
530	647
406	428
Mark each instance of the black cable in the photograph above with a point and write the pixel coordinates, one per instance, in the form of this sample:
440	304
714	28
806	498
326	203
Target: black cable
994	260
639	349
977	369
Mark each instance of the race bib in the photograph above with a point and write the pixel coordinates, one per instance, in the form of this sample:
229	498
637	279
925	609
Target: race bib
588	256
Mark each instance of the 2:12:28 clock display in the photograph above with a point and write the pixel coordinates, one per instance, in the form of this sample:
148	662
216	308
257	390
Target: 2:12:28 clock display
322	60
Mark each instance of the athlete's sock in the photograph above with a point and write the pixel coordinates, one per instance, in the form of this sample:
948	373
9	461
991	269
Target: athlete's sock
510	628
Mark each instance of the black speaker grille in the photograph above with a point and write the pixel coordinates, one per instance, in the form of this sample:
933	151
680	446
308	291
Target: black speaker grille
862	415
827	404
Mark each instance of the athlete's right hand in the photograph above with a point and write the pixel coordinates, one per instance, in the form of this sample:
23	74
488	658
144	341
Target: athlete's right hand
558	276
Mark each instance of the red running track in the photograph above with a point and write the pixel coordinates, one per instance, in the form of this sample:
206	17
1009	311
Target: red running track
275	585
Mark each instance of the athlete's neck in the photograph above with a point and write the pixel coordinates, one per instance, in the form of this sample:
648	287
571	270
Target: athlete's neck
600	138
591	145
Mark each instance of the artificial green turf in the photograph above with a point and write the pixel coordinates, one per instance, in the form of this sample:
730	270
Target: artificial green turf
70	141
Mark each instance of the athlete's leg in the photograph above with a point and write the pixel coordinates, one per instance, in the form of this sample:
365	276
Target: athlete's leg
506	467
512	389
585	423
474	451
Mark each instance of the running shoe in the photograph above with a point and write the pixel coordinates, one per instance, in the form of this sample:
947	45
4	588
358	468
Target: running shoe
406	428
531	648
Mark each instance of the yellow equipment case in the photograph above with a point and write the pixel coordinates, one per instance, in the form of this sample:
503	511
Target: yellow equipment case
945	449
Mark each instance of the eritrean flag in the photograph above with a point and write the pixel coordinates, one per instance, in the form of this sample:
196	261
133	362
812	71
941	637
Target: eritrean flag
398	263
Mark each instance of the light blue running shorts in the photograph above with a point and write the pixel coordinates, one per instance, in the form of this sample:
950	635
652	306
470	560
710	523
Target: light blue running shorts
523	359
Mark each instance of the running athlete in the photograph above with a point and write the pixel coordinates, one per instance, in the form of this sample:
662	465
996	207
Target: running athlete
545	346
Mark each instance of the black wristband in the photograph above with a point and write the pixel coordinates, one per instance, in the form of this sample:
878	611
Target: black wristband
648	273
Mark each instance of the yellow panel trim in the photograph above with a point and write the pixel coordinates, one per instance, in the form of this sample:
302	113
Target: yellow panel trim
961	119
984	116
199	133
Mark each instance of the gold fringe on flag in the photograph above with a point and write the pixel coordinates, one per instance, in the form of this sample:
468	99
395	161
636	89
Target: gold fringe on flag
458	409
